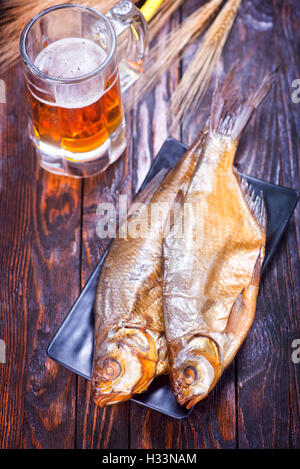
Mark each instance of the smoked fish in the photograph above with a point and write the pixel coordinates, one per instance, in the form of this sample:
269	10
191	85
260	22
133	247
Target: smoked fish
130	346
211	272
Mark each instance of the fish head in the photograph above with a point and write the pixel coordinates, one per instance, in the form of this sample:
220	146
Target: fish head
125	364
195	370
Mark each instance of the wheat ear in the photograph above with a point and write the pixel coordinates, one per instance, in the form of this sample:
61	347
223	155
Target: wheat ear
171	47
196	78
15	14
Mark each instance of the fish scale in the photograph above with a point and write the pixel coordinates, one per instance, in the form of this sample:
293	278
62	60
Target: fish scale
128	306
213	278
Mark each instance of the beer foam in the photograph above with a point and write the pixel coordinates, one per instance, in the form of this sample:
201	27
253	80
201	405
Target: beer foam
73	57
70	57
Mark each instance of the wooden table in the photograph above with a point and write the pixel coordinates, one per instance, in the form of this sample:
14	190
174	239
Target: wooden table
49	246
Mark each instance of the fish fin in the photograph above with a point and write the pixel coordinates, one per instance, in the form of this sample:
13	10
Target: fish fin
255	203
178	201
162	366
175	209
242	314
231	110
144	195
147	192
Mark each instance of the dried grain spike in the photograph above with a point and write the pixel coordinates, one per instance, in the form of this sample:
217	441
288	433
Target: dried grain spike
174	45
194	83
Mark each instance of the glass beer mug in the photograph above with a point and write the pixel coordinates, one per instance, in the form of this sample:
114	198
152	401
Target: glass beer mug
77	63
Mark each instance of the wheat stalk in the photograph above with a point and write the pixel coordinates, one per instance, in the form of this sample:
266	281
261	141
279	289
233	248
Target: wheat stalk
15	14
196	78
174	45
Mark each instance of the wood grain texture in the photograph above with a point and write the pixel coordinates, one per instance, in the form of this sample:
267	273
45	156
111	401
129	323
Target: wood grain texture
212	423
49	247
15	233
149	130
49	394
265	367
101	428
40	232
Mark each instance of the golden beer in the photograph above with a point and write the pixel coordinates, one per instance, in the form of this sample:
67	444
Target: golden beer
79	121
77	62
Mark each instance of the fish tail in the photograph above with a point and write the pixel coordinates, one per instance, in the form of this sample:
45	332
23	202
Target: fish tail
231	110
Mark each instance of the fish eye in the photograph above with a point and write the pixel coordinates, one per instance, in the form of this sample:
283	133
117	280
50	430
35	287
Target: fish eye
111	369
190	375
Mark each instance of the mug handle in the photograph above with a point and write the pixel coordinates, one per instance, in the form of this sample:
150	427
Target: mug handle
131	30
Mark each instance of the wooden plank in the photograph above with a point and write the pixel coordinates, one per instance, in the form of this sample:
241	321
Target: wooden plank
40	233
286	45
268	381
49	414
212	423
15	230
149	130
101	428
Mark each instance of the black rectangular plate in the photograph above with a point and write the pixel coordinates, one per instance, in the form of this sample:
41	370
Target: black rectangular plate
72	345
